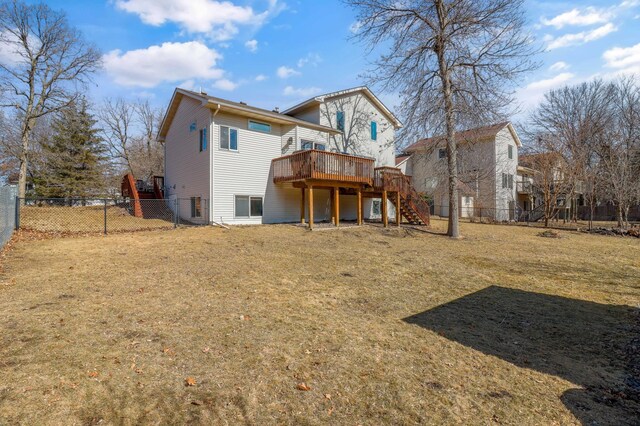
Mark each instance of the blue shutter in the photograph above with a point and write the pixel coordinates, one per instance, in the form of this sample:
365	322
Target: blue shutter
340	120
374	131
204	139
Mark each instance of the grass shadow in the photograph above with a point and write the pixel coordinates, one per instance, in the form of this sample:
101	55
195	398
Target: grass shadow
593	345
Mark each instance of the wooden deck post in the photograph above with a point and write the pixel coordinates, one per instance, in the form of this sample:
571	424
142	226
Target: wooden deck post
398	216
336	203
359	206
385	215
310	206
302	205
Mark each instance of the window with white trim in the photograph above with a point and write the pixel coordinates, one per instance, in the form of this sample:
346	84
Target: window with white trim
259	127
305	144
247	206
228	138
510	151
377	204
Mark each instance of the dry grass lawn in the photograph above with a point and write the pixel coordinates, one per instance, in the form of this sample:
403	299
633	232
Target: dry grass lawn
88	219
380	326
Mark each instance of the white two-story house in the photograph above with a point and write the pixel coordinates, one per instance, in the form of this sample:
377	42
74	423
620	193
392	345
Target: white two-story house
233	163
487	170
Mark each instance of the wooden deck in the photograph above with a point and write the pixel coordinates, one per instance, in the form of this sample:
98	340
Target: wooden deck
323	166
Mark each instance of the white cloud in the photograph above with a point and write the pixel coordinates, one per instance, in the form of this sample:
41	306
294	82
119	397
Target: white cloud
286	72
252	45
261	77
168	62
580	38
623	59
301	92
10	47
355	27
577	17
559	66
312	59
226	85
534	91
218	19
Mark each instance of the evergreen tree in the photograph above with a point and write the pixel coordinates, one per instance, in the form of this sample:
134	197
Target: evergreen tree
74	160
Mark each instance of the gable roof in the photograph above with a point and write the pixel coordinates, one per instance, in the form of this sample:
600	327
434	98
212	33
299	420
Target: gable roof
219	104
365	91
470	135
401	158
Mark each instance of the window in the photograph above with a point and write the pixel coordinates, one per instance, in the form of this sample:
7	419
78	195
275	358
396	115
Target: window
510	152
305	144
376	206
340	120
510	181
374	131
248	206
442	153
505	179
196	207
228	138
259	127
203	139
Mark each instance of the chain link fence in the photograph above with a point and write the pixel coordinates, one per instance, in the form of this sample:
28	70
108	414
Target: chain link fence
7	213
105	215
484	214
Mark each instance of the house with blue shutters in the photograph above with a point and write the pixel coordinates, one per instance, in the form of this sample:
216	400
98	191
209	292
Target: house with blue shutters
320	160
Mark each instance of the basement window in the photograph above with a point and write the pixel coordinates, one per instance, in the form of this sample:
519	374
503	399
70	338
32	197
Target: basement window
247	206
196	207
377	206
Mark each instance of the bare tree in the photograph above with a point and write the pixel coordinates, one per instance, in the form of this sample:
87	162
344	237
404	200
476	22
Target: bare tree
50	60
130	131
117	121
618	150
454	62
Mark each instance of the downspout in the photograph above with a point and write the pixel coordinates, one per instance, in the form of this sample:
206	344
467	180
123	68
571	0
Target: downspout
211	168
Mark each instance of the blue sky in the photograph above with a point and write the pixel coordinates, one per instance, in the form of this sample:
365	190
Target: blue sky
277	52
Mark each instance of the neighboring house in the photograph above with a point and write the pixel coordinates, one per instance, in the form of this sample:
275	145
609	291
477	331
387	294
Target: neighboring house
543	180
239	164
487	167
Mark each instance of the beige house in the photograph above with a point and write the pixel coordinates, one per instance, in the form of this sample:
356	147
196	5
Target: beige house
487	169
330	158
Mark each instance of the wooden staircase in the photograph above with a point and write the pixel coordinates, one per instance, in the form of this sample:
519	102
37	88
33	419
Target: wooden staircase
413	207
129	188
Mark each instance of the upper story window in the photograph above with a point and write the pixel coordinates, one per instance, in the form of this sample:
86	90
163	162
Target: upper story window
203	139
259	127
228	138
374	131
304	144
510	152
442	153
507	181
340	120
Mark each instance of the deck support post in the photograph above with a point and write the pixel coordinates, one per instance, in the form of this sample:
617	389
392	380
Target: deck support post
385	215
310	206
336	204
302	205
359	192
398	217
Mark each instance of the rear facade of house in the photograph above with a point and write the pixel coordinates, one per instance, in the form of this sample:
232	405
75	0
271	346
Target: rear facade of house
220	155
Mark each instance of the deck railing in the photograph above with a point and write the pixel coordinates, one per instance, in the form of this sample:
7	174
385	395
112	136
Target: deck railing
391	179
323	165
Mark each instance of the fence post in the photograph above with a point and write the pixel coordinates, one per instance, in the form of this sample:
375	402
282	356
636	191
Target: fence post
176	212
17	214
105	216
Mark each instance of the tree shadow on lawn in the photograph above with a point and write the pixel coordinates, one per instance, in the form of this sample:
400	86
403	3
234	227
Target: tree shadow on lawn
593	345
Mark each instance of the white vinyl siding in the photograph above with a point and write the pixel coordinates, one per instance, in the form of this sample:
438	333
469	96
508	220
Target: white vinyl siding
186	168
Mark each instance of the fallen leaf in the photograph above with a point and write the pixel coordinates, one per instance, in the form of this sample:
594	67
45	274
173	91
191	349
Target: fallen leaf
303	387
327	395
93	374
190	381
206	350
